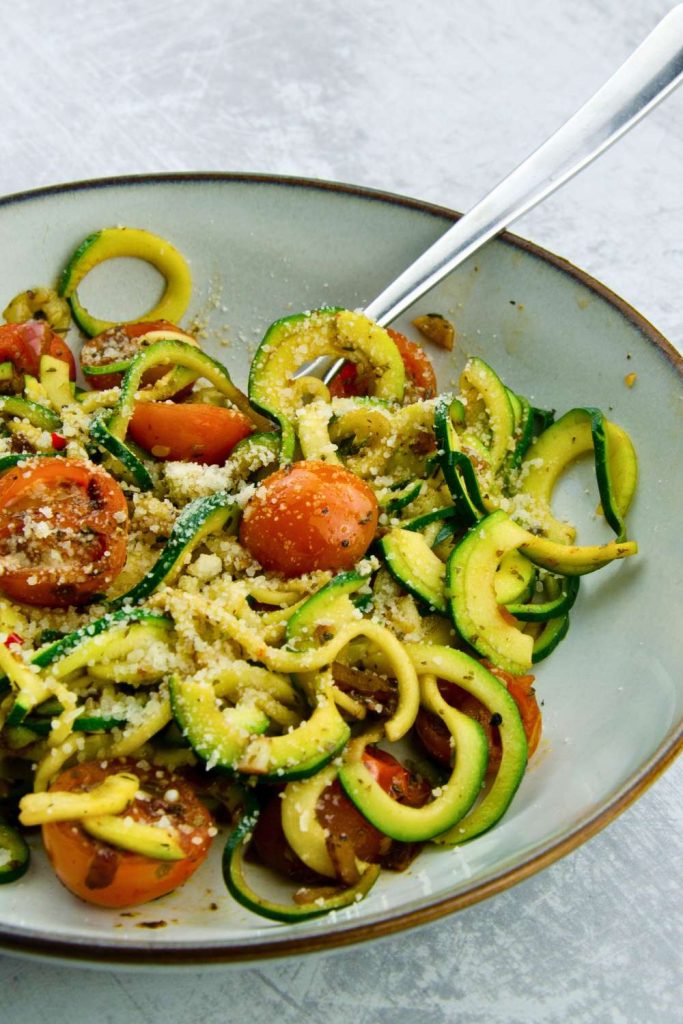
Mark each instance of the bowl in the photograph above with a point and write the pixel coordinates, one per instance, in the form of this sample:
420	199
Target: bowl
263	247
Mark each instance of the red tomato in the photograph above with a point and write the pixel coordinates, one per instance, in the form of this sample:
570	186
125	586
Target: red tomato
309	516
119	344
271	846
111	877
394	779
417	364
421	377
23	344
63	531
189	432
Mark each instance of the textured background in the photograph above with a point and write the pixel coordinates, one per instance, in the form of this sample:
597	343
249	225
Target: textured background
437	100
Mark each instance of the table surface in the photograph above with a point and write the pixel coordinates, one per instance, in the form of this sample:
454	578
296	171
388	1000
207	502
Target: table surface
435	100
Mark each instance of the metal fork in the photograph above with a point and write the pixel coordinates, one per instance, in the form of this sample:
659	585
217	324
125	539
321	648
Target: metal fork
652	71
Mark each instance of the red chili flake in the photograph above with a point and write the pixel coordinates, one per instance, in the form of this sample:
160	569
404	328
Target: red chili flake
58	442
14	640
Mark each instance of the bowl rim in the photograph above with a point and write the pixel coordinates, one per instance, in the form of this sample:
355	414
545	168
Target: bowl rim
141	954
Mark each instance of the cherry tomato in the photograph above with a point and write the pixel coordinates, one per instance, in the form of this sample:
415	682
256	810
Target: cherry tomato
308	516
111	877
417	364
271	846
23	344
394	779
63	531
350	383
188	433
121	343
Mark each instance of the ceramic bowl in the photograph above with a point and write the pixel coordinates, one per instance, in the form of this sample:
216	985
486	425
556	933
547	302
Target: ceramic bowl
612	693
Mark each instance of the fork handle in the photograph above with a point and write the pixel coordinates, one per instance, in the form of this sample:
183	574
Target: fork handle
653	71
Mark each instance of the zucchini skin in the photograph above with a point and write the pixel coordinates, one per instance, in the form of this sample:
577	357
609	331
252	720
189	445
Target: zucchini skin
112	620
455	797
470	581
458	667
134	242
37	415
300	753
295	340
197	520
13	844
414	565
580	431
244	894
552	607
130	463
218	738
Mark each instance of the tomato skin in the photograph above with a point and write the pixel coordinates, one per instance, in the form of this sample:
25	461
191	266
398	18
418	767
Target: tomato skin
110	877
349	383
23	344
309	516
417	364
189	432
66	518
394	779
99	351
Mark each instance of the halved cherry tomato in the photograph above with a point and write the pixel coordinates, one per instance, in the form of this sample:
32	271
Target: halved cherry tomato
111	877
188	432
395	779
308	516
63	531
350	383
118	344
23	344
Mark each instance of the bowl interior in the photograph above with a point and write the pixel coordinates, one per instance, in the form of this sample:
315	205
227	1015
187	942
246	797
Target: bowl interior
612	693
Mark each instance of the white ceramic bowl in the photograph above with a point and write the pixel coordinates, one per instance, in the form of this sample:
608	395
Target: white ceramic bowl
612	693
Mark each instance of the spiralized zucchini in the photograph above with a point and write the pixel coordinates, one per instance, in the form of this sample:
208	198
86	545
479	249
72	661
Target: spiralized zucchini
196	656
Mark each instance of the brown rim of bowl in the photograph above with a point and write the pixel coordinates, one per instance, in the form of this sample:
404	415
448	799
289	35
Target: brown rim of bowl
141	955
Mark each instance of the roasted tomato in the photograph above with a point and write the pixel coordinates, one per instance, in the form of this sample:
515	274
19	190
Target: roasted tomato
270	845
121	344
436	738
111	877
309	516
23	344
349	382
188	432
63	531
